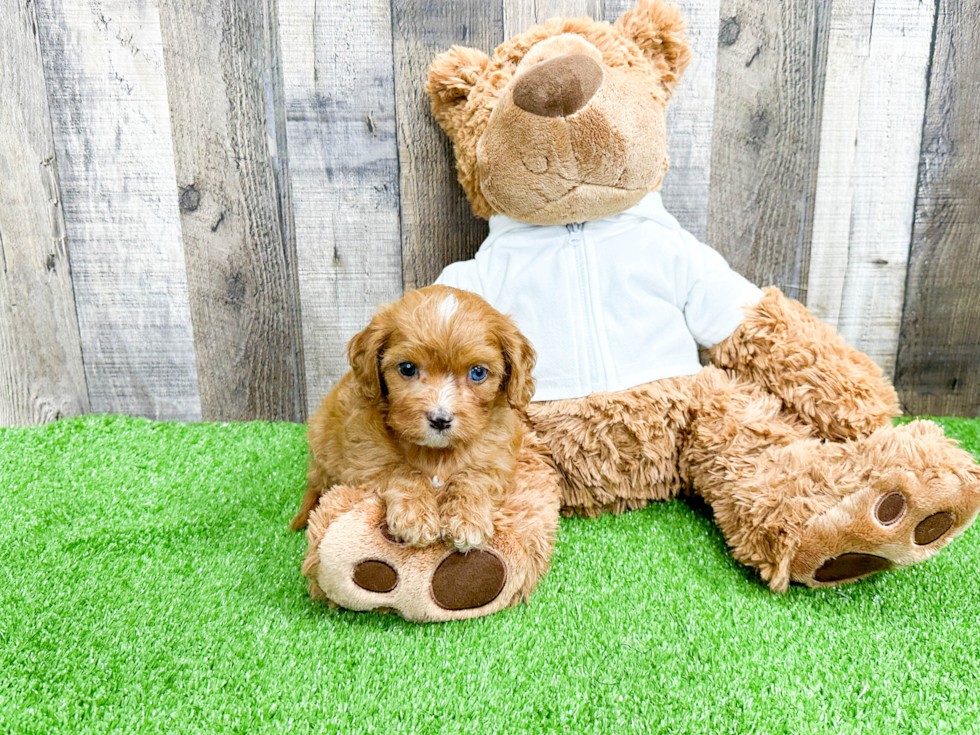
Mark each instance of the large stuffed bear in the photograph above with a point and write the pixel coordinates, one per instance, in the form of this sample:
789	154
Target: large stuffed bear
560	142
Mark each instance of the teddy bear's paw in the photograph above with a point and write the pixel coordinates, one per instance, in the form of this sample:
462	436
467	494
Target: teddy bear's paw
909	511
362	565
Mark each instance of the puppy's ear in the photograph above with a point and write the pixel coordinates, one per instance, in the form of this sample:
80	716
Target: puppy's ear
364	354
452	76
519	357
658	29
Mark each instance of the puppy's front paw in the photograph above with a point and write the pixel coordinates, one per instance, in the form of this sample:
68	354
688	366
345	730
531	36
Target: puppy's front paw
412	521
467	528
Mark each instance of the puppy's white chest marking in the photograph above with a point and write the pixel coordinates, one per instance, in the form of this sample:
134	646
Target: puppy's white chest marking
448	307
436	482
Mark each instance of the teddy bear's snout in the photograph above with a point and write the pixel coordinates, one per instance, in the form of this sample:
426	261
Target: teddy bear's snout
558	87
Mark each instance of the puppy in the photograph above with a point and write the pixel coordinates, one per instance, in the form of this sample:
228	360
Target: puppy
428	415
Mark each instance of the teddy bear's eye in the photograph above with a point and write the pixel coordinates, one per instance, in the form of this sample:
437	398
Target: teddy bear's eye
408	369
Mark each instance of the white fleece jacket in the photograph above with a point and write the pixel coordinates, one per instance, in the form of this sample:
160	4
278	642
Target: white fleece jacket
608	304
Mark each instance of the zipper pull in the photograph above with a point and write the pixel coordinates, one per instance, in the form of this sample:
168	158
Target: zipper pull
575	232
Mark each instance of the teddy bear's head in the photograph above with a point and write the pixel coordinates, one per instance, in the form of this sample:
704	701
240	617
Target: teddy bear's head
566	122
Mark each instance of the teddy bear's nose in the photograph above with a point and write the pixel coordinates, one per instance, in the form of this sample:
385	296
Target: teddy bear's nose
558	87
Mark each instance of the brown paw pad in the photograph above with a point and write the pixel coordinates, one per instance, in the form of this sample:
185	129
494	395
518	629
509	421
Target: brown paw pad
932	528
890	508
375	576
850	566
466	581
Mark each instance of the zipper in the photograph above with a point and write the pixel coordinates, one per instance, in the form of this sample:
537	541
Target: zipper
576	238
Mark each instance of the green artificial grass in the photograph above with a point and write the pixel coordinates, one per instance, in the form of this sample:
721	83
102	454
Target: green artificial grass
149	584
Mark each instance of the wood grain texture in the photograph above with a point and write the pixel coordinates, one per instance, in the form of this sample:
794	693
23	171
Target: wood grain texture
243	298
690	116
275	105
771	56
869	153
438	226
41	374
519	16
343	168
106	89
938	370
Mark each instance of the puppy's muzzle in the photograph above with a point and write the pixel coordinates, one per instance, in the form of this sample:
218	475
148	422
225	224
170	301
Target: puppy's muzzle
440	419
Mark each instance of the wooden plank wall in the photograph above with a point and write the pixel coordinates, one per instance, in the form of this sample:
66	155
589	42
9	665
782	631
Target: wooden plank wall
938	369
222	83
871	133
201	204
771	61
107	91
340	128
41	374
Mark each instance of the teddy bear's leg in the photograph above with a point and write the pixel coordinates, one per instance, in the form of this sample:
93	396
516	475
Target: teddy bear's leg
822	513
616	451
352	561
827	383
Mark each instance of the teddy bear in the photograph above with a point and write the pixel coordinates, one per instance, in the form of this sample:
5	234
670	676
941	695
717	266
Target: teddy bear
786	433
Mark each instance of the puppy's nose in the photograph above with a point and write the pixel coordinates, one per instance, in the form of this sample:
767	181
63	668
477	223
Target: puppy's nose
440	419
558	87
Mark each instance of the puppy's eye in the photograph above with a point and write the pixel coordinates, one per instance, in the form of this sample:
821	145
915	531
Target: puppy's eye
407	369
478	374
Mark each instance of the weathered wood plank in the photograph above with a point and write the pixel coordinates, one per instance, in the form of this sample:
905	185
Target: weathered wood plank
938	370
438	226
771	56
869	152
243	298
690	116
519	16
340	122
105	79
275	102
41	374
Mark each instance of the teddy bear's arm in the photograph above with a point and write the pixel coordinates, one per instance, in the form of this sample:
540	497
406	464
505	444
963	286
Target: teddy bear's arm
832	386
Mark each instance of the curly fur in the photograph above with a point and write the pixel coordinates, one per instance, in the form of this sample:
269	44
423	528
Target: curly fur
616	451
833	387
375	428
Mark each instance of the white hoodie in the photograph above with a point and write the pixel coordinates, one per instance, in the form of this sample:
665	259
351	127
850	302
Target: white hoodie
608	304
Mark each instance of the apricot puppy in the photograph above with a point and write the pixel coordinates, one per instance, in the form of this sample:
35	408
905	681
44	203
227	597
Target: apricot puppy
428	416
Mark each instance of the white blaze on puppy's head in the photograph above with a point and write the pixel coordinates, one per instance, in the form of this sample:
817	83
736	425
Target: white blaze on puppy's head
448	307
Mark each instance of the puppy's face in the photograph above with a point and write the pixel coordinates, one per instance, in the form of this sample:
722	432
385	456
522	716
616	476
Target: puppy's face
441	362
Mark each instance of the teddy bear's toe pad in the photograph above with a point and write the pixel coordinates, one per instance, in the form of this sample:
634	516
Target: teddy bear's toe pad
890	508
375	576
932	528
850	566
468	581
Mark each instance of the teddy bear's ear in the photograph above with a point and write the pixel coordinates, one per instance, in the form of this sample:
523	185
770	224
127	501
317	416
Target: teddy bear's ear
658	29
452	75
